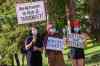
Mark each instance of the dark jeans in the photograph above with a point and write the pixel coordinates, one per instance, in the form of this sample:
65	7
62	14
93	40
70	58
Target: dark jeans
34	59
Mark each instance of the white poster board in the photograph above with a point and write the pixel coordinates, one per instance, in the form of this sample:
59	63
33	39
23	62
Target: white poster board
75	40
30	12
55	44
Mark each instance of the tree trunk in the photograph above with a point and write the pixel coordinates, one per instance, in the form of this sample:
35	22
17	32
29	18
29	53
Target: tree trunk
94	11
71	8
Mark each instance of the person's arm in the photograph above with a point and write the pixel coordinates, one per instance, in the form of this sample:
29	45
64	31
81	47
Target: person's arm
65	40
30	44
85	37
38	49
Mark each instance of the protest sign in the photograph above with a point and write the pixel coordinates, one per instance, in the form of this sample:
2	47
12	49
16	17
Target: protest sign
55	44
75	40
30	12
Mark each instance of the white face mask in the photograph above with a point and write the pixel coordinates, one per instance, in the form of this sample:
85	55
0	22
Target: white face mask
52	30
76	29
49	26
34	31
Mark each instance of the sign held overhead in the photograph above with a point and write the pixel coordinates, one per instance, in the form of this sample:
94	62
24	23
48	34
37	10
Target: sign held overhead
30	12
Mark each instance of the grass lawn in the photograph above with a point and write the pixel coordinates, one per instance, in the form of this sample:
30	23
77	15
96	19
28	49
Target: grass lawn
92	57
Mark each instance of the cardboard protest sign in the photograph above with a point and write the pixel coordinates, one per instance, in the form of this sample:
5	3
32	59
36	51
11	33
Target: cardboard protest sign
30	12
75	40
55	44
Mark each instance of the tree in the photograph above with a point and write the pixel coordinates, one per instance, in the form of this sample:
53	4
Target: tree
94	12
70	6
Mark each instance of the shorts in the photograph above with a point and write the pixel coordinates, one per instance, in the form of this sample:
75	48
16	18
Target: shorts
77	53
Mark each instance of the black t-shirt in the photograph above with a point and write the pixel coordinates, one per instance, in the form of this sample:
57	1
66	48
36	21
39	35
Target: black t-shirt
38	42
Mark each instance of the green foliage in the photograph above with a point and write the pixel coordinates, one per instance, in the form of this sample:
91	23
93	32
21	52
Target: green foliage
11	38
12	35
7	7
56	8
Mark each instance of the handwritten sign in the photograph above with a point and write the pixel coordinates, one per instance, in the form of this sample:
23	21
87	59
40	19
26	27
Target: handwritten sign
75	40
30	12
55	44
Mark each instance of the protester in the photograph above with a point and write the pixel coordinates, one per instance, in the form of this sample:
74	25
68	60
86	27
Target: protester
34	47
55	57
76	42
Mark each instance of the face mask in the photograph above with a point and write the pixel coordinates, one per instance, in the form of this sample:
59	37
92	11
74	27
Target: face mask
52	30
34	31
76	29
49	26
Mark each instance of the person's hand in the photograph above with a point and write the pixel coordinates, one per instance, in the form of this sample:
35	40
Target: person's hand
35	48
65	40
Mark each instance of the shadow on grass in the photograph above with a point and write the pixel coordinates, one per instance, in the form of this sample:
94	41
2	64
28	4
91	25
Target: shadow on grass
94	45
93	58
92	53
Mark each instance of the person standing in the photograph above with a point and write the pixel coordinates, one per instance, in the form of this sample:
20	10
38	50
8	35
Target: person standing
55	57
34	47
76	41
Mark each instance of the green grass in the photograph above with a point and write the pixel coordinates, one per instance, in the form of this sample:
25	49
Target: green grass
92	56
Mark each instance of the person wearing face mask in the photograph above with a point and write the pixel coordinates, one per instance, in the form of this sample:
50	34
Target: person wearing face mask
76	41
34	47
55	58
